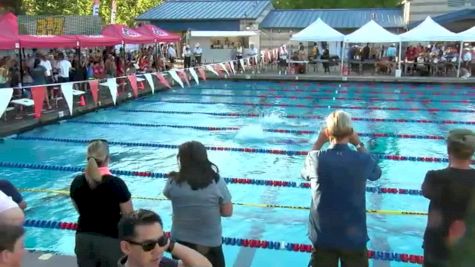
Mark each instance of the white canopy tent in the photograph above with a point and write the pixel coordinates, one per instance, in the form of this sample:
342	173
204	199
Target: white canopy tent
371	32
318	31
429	31
468	35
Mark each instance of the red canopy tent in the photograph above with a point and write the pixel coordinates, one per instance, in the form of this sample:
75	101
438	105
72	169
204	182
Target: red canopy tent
7	43
95	40
46	41
127	35
159	34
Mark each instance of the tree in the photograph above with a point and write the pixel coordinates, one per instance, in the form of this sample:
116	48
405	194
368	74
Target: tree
127	10
299	4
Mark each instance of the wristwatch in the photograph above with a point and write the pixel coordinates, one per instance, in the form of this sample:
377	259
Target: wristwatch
360	145
171	246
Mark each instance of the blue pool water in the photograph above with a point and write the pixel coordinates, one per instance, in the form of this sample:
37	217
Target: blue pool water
394	233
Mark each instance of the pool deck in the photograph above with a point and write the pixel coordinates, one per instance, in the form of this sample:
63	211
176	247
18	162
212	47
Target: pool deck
14	126
37	259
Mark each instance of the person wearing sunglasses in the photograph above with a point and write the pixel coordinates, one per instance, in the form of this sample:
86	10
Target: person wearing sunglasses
100	199
199	198
144	242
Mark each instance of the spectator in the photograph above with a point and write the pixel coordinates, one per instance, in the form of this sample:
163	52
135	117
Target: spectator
365	53
337	226
10	190
10	213
199	197
100	199
140	233
64	67
4	76
46	63
198	52
187	56
11	245
391	52
283	59
171	54
449	191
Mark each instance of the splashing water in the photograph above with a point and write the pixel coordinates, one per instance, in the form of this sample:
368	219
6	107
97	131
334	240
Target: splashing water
253	132
272	118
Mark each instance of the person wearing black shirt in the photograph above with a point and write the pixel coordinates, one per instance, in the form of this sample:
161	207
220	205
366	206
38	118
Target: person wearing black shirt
10	190
101	199
449	191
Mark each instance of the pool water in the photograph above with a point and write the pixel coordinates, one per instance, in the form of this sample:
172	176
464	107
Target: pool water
137	122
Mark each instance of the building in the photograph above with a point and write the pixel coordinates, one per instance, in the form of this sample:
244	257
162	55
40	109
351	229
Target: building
455	15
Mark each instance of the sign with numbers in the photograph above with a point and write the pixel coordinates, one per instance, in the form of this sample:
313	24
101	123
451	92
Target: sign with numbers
50	26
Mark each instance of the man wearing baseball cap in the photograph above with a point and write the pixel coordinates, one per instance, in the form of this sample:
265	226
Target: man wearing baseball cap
449	191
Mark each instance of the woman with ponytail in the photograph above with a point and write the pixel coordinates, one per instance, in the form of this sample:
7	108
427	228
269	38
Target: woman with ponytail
100	199
199	199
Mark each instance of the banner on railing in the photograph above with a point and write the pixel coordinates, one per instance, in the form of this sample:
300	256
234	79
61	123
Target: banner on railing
5	96
148	77
38	93
175	77
112	84
183	76
194	75
94	86
67	89
133	84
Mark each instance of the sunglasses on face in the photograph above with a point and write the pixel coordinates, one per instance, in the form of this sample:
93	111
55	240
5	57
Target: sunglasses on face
151	244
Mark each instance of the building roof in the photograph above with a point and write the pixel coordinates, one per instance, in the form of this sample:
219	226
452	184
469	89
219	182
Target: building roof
206	10
449	17
335	18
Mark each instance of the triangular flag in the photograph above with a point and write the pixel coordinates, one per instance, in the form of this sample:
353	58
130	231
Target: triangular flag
94	86
228	66
133	84
194	75
67	89
242	64
5	97
202	73
148	77
176	78
112	84
183	76
210	68
256	59
162	80
223	67
38	93
231	64
248	61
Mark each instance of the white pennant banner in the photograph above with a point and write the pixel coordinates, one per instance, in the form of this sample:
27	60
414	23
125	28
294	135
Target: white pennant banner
112	84
208	67
248	61
231	63
148	77
67	89
194	75
5	97
242	64
224	68
176	78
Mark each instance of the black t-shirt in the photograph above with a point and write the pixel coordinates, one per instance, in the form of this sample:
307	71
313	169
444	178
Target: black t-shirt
99	210
450	191
164	262
9	189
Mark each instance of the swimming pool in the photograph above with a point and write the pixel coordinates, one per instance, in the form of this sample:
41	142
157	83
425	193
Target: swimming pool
267	126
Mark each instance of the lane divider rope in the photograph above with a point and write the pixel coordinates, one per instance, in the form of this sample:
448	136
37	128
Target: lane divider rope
380	156
392	91
256	115
213	128
254	205
451	110
228	180
326	97
253	243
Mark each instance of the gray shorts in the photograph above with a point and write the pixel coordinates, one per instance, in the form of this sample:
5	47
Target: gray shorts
96	250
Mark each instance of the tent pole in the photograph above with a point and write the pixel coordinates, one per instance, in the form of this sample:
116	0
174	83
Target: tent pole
22	51
343	44
460	59
400	54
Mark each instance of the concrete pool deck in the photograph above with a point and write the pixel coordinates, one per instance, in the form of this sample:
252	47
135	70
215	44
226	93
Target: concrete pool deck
11	126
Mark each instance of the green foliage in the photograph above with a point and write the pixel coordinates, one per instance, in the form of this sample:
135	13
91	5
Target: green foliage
127	10
299	4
